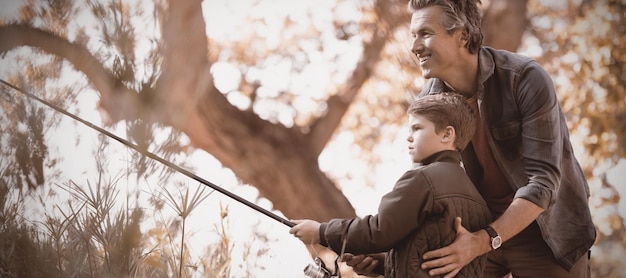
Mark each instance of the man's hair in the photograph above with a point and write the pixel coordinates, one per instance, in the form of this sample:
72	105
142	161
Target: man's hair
447	109
461	15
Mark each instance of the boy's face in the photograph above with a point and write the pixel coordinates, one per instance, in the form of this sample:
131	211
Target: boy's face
423	140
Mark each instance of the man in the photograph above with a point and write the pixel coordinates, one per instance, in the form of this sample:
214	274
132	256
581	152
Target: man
520	159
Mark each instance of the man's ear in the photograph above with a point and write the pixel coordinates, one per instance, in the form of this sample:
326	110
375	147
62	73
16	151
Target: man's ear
463	37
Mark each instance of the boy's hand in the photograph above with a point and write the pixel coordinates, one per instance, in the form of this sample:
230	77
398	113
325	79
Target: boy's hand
306	230
362	264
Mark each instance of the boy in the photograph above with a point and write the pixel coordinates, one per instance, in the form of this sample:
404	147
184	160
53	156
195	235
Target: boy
418	214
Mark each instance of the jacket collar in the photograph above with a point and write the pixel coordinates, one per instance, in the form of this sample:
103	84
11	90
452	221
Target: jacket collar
486	68
443	156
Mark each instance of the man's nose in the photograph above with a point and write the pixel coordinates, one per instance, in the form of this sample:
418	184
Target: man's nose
417	46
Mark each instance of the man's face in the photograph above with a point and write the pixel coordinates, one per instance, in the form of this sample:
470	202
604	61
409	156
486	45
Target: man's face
423	140
438	52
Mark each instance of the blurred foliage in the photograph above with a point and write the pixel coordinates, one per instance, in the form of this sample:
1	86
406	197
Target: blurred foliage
24	124
582	45
584	48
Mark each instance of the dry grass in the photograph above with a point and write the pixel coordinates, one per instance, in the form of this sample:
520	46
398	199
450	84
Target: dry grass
97	233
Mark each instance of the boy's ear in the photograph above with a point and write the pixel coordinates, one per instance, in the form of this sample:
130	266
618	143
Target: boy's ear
448	135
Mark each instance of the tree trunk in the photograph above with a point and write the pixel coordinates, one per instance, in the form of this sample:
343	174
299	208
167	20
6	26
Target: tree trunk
282	163
504	24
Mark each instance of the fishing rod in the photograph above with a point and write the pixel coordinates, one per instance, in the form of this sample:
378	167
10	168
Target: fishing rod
155	157
317	269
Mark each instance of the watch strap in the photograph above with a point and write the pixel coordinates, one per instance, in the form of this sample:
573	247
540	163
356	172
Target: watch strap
492	233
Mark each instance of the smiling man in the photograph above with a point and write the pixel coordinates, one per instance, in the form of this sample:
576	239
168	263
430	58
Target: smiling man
520	159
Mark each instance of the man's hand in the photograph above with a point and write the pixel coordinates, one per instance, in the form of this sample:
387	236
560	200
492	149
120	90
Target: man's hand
364	264
450	259
306	230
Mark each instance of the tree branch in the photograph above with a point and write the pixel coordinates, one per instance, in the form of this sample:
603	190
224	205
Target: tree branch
117	100
391	14
186	76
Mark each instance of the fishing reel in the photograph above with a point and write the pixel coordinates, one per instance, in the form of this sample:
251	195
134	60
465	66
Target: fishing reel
319	269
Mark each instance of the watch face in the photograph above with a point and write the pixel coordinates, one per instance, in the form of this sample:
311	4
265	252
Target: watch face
496	242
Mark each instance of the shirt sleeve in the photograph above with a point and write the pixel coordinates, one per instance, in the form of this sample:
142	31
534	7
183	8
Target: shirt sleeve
542	136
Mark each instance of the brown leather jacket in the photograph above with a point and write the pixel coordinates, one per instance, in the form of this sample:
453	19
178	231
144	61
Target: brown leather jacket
415	217
530	142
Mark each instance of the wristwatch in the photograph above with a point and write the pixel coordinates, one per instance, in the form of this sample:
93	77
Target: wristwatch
494	239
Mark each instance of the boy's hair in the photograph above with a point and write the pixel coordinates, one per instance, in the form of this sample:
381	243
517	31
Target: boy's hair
461	15
447	109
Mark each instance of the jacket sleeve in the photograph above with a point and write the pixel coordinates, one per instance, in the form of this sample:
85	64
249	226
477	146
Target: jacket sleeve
542	136
399	213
